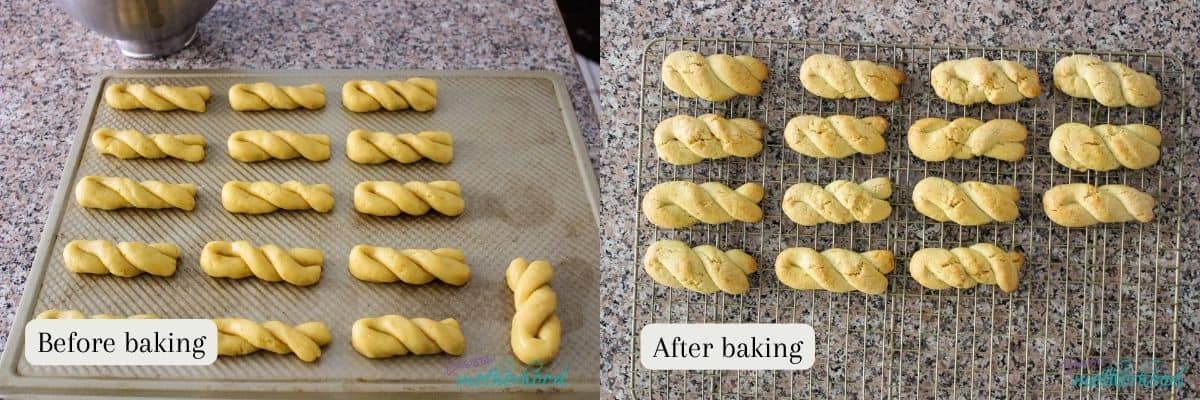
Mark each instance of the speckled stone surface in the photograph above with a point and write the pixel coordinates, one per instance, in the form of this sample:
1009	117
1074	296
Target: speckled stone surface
1171	27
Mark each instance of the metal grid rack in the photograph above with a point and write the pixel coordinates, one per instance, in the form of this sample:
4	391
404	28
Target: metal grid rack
1088	298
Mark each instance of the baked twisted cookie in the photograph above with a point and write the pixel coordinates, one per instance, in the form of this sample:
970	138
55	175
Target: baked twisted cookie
265	96
239	337
977	80
536	330
1110	83
839	202
76	314
1079	204
263	197
420	94
129	144
686	140
968	203
125	259
1105	147
387	199
111	193
260	145
718	77
411	266
935	139
365	147
705	269
133	96
833	77
394	335
680	204
835	270
837	136
966	267
240	259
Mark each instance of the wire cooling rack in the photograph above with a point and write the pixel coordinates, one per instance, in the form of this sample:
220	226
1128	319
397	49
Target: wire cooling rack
1090	300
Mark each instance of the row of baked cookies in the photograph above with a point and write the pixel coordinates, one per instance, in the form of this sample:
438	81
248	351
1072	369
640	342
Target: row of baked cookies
720	77
419	94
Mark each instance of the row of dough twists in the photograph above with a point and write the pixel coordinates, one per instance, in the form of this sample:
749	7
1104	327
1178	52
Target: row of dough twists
708	269
362	146
415	93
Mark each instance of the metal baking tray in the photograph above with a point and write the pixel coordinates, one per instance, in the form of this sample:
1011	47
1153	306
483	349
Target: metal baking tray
527	182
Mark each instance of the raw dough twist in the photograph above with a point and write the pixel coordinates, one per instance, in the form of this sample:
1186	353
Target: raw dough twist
935	139
394	335
411	266
1079	204
966	267
968	203
536	330
839	202
111	193
1110	83
978	80
129	144
76	314
420	94
835	270
265	96
260	145
240	259
263	197
134	96
1105	147
718	77
837	136
365	147
686	140
705	269
386	199
239	337
125	259
833	77
680	204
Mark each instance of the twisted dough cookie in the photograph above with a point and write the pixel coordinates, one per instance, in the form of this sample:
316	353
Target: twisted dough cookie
129	144
76	314
978	80
837	136
239	337
1110	83
125	259
833	77
265	96
835	270
420	94
264	197
718	77
387	199
705	269
687	140
134	96
935	139
839	202
680	204
111	193
240	259
394	335
536	330
1105	147
411	266
966	267
1077	205
365	147
260	145
969	203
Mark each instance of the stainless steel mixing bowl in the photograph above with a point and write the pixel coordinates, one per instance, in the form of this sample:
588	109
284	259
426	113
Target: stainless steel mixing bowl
141	28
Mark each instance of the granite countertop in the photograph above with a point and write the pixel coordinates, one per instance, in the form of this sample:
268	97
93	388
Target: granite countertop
1157	26
50	62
